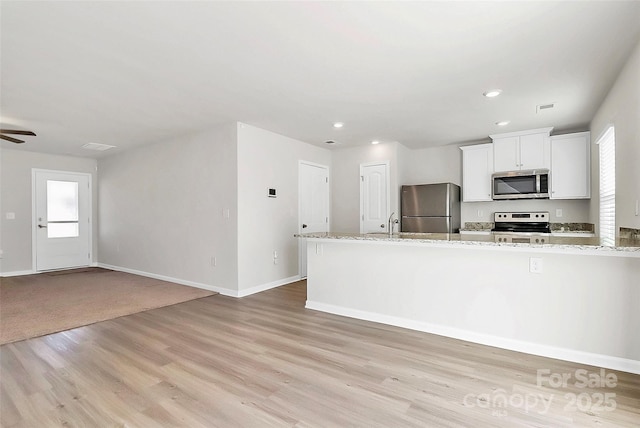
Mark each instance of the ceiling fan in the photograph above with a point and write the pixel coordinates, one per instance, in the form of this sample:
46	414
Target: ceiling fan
16	132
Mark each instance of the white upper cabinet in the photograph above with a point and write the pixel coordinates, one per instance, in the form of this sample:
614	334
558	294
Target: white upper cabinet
477	167
521	150
571	166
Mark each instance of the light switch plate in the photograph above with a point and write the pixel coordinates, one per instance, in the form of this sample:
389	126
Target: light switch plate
11	216
559	212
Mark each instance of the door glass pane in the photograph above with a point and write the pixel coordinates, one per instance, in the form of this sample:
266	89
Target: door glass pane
62	209
62	200
63	230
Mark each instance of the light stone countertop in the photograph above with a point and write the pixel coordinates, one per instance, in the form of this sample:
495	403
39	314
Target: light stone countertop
575	245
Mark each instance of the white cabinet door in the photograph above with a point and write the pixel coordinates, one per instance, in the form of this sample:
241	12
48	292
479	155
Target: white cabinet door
534	151
477	167
521	150
505	154
571	166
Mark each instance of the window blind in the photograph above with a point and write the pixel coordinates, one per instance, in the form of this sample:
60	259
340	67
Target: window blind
607	145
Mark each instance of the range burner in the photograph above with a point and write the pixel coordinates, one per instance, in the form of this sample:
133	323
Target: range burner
536	222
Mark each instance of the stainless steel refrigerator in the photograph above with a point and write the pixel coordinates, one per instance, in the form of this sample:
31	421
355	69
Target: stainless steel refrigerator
431	208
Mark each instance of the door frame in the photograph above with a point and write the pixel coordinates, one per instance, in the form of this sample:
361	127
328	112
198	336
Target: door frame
34	215
302	243
388	185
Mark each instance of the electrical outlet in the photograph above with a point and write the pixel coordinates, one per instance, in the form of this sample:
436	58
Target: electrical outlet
12	216
480	213
535	265
275	257
559	212
214	261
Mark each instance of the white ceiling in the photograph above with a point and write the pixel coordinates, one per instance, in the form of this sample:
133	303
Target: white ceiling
130	73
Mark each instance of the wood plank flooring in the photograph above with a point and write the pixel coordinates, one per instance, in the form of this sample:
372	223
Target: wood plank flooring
265	360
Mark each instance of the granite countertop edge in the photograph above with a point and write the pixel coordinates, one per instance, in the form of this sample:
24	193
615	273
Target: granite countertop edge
588	244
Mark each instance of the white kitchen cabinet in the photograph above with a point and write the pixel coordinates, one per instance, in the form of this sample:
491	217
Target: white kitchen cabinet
523	150
477	167
570	173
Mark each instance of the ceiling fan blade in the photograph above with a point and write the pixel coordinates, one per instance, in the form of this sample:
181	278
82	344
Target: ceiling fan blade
13	140
15	131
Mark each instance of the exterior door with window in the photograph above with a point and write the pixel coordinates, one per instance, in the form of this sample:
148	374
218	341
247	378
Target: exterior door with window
62	219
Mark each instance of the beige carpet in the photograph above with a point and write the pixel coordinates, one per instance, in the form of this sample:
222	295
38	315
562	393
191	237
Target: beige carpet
35	305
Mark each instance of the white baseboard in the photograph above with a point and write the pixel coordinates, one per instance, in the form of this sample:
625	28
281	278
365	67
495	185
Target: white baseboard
267	286
18	273
224	291
221	290
576	356
33	272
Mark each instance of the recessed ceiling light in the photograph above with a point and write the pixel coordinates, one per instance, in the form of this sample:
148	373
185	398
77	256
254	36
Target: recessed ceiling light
375	142
338	125
492	93
503	123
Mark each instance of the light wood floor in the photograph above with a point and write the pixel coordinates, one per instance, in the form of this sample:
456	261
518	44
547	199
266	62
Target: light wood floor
265	360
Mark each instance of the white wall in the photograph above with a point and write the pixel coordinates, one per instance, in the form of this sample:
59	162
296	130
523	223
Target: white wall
15	193
622	109
268	160
163	206
345	188
441	164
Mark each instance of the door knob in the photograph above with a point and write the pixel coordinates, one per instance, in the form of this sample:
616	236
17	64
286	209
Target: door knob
42	227
304	226
382	225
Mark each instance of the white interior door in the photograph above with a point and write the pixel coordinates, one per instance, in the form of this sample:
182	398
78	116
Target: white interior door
314	205
62	219
374	197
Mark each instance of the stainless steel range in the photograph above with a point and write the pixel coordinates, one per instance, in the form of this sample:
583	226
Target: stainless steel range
524	227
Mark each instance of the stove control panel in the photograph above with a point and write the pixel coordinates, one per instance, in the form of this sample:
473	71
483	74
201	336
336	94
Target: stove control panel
521	239
528	217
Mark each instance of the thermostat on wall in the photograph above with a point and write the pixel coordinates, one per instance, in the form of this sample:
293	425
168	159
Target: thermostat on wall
272	193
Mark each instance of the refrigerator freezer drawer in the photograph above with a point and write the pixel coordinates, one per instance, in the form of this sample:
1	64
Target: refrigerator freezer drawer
427	224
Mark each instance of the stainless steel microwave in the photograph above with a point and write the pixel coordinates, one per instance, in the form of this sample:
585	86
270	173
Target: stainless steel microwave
530	184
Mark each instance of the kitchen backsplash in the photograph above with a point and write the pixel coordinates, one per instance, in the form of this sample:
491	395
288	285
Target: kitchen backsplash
478	225
560	211
629	233
573	227
555	227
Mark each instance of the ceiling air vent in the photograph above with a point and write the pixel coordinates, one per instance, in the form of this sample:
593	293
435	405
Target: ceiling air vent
330	142
98	147
542	107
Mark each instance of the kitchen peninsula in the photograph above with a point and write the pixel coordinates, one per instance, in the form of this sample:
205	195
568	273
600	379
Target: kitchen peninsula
569	298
